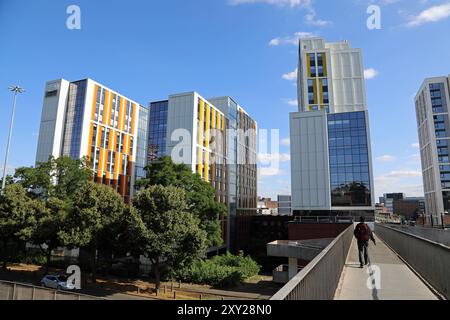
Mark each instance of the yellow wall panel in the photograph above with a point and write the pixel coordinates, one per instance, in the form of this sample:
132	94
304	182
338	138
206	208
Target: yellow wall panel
91	133
320	92
315	91
133	114
308	65
106	107
101	163
121	114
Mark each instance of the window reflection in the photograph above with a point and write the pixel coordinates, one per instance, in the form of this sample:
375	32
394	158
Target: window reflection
349	160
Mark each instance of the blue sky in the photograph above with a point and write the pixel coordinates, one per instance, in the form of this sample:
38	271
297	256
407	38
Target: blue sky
242	48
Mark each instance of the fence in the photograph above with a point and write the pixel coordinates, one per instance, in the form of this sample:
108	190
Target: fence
18	291
430	259
320	278
327	220
432	234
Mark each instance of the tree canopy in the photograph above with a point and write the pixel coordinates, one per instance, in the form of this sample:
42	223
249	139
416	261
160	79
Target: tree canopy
17	218
165	232
200	195
59	178
94	219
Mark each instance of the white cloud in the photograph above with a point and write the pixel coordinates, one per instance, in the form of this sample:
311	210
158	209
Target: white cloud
370	73
406	181
386	158
291	76
311	19
270	172
291	102
432	14
400	174
416	145
292	40
268	158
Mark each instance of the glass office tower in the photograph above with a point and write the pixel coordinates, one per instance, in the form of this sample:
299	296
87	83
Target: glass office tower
331	163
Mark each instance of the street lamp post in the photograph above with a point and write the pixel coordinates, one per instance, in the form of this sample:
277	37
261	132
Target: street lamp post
16	90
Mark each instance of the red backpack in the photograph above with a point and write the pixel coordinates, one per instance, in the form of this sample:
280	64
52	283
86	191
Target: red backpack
363	232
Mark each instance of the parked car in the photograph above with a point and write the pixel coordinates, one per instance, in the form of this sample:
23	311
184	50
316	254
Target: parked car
57	282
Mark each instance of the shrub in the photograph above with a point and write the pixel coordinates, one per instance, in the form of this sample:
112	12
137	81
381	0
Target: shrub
221	271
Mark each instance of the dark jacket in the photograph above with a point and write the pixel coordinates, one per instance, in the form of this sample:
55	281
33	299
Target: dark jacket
358	236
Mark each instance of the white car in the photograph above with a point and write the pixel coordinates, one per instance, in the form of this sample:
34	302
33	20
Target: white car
56	282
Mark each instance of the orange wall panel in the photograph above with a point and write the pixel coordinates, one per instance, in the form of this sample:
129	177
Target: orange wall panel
106	107
133	113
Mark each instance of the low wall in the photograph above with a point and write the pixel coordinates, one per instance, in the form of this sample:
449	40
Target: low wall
320	278
433	234
16	291
430	259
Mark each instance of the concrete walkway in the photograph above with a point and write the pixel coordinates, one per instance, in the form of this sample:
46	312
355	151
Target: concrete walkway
387	278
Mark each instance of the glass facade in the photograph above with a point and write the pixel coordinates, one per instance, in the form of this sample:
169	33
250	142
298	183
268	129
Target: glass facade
157	130
142	139
441	128
232	167
349	160
74	119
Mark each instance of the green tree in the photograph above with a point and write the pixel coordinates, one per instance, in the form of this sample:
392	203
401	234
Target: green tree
50	222
200	195
93	222
54	185
17	220
59	178
165	232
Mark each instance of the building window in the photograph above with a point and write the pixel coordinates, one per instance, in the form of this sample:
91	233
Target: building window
349	160
320	71
310	85
52	93
311	98
312	59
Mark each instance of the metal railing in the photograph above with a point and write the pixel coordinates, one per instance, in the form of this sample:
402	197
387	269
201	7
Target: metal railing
19	291
320	278
333	219
430	259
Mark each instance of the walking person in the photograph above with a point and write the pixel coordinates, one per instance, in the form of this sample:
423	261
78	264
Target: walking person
363	235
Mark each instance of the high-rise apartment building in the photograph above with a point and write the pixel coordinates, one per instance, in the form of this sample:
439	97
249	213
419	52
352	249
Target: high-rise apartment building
86	119
432	110
119	137
217	139
331	166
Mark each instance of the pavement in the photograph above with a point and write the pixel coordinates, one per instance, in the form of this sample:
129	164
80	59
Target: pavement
386	278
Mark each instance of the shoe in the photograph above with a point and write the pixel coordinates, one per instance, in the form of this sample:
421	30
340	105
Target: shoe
361	266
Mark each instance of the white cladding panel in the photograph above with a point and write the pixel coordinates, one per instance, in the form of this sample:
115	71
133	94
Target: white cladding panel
309	169
180	128
52	121
348	81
